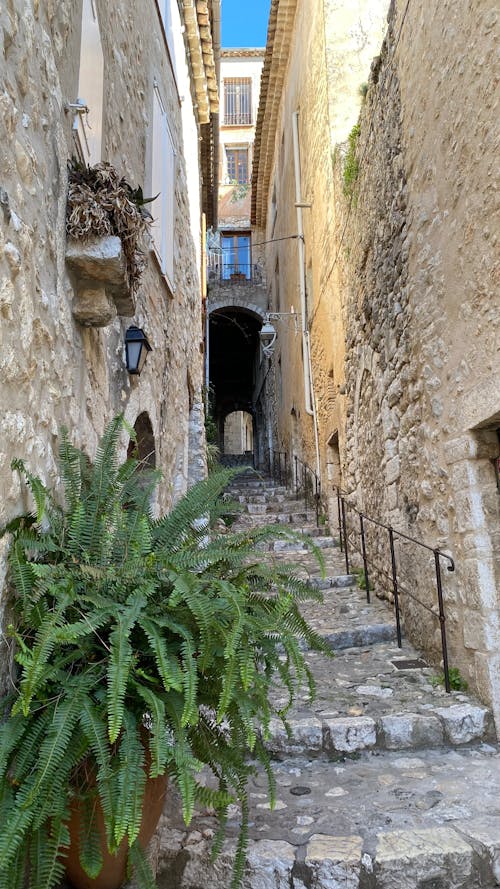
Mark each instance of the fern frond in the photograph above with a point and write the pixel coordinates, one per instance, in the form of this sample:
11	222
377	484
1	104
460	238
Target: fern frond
91	858
120	661
95	732
167	663
159	747
175	527
141	869
71	469
131	782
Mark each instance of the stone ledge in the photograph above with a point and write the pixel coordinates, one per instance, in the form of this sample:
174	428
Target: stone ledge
101	284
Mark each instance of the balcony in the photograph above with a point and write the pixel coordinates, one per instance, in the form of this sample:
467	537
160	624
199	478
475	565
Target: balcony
238	119
227	274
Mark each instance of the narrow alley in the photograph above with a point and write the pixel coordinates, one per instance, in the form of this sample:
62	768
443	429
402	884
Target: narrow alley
259	235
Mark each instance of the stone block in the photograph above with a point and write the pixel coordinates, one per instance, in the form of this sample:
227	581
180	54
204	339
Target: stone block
92	306
484	835
392	470
460	449
462	722
307	735
269	865
349	734
99	264
478	633
100	259
419	856
334	861
409	730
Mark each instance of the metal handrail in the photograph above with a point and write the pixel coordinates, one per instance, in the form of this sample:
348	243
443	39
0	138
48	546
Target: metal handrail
344	504
235	272
298	474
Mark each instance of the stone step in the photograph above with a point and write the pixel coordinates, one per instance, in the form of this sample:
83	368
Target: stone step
257	486
380	783
279	518
454	725
380	821
287	547
273	507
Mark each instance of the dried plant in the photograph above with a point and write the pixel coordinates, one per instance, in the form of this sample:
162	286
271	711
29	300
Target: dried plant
101	203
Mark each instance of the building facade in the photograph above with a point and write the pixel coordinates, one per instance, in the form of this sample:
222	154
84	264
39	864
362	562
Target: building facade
237	300
388	388
133	86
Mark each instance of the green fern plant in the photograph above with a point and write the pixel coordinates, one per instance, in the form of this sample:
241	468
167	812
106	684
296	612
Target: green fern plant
124	622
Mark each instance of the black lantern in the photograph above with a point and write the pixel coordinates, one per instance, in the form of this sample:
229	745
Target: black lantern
136	349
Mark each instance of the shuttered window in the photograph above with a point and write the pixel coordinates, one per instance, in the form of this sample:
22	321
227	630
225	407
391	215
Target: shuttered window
90	87
163	185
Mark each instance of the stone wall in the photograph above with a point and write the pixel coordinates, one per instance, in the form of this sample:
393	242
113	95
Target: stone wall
54	371
331	47
422	319
402	290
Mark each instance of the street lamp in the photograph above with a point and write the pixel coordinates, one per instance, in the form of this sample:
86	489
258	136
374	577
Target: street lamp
136	349
267	338
268	331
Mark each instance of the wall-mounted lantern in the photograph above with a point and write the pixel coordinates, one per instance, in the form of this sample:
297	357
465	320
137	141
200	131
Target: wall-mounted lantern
268	331
267	337
136	349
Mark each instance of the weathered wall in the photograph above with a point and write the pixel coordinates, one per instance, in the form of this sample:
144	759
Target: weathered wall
331	49
54	371
402	290
423	316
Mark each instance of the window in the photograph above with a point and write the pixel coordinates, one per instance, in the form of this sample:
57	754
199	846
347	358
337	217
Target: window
172	27
90	87
238	101
236	256
237	165
163	185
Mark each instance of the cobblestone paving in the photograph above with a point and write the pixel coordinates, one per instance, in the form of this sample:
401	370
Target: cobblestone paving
386	782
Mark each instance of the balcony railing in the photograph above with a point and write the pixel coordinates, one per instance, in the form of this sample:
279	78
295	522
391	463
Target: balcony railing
234	273
238	119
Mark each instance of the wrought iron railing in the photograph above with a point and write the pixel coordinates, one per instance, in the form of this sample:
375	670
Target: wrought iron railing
355	536
234	273
297	474
237	118
353	533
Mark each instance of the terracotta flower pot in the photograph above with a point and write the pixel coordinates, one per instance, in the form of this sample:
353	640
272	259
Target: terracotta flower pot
113	873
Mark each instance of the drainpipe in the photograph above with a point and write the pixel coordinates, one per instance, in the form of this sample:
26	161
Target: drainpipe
310	400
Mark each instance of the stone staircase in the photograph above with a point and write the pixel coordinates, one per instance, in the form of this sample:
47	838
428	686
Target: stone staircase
386	782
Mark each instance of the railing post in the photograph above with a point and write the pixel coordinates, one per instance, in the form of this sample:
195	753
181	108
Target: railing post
304	481
286	469
395	587
341	533
442	619
316	498
365	562
344	525
296	477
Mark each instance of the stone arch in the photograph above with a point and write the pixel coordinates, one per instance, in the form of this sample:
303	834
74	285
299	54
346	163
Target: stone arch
144	448
236	303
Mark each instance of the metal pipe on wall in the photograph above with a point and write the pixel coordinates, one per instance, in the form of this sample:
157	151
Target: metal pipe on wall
309	396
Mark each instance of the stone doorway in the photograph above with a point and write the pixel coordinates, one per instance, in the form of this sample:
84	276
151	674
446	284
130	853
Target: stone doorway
239	437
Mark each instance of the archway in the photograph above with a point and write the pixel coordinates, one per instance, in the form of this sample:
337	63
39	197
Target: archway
239	435
143	449
235	365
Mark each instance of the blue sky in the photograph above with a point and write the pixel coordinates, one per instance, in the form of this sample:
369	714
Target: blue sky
244	24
